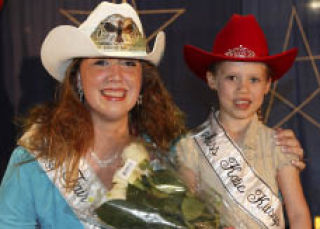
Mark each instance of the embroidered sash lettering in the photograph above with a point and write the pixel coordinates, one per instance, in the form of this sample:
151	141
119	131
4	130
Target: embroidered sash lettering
245	187
263	202
207	139
79	190
232	166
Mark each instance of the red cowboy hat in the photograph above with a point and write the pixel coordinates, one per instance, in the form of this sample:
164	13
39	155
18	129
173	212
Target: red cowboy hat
241	39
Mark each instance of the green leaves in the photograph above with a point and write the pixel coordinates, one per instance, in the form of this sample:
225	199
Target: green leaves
192	208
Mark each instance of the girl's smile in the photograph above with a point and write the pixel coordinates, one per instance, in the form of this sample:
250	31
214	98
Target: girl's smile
242	104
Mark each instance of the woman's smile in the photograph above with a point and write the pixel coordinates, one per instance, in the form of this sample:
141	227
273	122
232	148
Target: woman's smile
114	94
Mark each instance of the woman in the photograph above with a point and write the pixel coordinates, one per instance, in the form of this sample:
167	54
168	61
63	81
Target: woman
104	104
110	95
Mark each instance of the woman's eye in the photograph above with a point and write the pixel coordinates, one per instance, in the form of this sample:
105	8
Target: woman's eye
129	63
231	77
101	62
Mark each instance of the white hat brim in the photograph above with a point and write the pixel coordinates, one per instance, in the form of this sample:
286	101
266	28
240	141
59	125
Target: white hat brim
66	42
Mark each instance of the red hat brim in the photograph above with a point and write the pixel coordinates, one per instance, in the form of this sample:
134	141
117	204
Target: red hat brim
200	60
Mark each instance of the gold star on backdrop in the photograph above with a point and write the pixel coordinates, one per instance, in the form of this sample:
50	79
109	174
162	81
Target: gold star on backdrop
72	14
310	57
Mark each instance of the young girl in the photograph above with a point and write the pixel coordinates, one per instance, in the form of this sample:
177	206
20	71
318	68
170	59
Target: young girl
233	152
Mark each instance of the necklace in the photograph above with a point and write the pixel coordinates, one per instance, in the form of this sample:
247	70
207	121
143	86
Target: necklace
104	163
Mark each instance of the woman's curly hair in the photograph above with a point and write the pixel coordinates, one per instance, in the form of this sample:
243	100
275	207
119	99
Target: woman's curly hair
63	131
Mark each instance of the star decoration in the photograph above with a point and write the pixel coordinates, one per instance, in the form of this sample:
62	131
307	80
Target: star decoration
310	57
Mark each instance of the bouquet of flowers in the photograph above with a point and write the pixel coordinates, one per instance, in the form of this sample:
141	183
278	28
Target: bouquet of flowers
147	194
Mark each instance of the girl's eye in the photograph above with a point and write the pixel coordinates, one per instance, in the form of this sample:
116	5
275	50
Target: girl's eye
129	63
255	80
102	62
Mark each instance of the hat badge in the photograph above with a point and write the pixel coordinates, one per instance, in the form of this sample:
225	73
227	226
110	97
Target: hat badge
118	33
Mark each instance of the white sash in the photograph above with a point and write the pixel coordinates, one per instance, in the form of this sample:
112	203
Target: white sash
241	182
87	194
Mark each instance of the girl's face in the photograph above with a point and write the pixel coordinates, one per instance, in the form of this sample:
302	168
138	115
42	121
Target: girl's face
241	87
111	86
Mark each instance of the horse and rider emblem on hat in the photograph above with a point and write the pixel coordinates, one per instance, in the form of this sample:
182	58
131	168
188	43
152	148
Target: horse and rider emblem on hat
118	33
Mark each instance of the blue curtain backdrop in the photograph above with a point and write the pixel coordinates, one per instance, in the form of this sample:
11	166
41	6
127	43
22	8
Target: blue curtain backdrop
294	102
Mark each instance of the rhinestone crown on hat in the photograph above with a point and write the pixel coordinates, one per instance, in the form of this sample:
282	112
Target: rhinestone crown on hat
240	52
118	33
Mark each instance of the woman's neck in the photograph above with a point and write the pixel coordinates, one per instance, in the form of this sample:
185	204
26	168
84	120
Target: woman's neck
110	137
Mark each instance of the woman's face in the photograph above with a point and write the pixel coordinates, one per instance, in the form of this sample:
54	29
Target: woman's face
241	87
111	86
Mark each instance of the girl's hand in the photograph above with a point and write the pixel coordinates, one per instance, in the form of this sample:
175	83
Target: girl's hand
288	142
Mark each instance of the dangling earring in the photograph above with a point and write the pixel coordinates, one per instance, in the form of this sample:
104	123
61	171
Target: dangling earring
139	101
79	88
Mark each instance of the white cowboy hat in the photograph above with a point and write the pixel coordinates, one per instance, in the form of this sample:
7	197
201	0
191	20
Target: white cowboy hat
111	30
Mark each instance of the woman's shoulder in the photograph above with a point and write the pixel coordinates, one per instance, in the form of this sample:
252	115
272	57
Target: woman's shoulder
22	163
21	155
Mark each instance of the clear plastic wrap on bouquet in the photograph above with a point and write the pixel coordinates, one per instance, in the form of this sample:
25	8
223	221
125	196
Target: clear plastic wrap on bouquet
149	193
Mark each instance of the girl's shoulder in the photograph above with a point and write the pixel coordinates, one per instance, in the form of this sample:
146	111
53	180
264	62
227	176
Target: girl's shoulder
259	130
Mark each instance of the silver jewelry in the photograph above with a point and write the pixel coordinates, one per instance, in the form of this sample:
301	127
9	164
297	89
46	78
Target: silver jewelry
139	101
79	88
104	163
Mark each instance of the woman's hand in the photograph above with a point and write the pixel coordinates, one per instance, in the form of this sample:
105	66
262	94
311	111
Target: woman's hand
288	142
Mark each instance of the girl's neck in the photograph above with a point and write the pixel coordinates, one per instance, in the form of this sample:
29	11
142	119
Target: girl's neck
235	128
